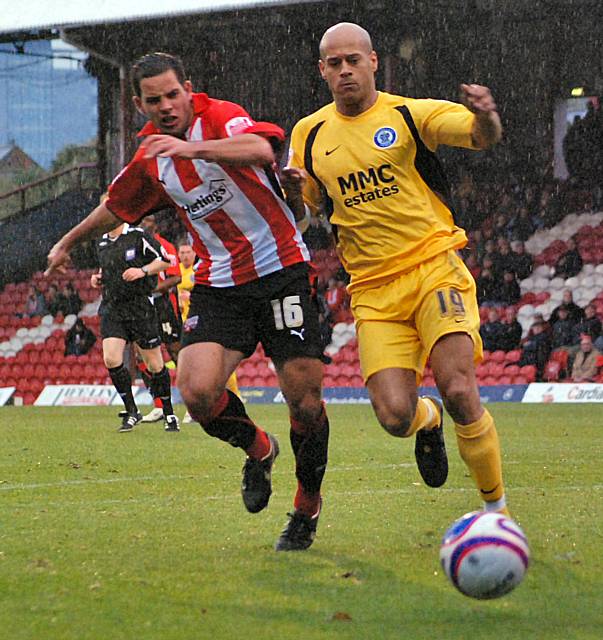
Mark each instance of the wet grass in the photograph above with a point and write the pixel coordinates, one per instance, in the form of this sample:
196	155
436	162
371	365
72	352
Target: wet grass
144	535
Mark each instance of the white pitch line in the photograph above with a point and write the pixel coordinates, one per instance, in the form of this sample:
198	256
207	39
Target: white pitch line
235	497
381	491
6	486
67	483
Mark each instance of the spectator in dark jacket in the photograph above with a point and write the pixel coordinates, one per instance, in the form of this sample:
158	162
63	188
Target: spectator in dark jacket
536	349
590	325
55	301
563	330
512	330
73	300
570	263
508	291
502	258
491	331
79	339
576	313
486	286
523	263
521	226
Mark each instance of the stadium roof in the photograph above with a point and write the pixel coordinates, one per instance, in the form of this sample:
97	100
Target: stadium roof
42	14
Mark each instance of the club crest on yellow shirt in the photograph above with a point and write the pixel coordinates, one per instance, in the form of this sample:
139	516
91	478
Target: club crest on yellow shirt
385	137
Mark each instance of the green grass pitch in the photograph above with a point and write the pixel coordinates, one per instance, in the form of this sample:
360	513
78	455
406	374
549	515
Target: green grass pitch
143	535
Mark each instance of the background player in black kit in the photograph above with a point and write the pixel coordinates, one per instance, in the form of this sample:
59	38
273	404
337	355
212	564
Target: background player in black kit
165	299
130	260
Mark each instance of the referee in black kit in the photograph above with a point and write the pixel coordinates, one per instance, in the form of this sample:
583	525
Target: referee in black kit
130	260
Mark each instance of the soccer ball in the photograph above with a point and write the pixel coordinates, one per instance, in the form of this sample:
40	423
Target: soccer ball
485	555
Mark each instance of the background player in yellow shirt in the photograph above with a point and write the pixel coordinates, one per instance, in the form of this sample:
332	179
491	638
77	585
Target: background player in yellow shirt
368	158
187	277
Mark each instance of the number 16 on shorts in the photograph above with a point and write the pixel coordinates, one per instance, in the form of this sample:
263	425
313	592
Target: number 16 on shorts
288	313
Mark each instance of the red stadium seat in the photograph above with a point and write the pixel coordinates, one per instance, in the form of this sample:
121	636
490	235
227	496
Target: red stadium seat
512	370
249	369
28	371
243	380
77	370
17	370
328	380
65	371
513	356
529	371
497	369
271	380
498	356
37	386
357	381
482	370
552	370
561	356
100	371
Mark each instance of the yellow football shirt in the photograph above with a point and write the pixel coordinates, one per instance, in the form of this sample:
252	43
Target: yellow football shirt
187	283
384	188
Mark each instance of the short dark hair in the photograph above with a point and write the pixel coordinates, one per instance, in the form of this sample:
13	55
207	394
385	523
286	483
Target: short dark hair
154	64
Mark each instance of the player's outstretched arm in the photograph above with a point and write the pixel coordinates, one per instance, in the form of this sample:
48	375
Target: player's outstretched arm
244	149
487	129
99	221
150	269
165	286
293	180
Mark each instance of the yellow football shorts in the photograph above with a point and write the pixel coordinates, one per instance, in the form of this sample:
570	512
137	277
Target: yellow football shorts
399	322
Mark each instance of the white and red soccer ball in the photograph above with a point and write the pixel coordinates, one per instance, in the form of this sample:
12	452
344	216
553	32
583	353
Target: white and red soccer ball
485	555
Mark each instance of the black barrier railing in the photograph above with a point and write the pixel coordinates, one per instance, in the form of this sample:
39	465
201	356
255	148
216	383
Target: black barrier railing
78	178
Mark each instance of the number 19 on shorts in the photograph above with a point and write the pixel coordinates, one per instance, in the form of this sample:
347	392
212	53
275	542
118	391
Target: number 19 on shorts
288	312
451	303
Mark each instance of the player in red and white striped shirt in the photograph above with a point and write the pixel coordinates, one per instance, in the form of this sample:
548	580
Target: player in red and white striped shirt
208	159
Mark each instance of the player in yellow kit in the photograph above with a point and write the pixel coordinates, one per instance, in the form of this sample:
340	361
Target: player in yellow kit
187	259
368	158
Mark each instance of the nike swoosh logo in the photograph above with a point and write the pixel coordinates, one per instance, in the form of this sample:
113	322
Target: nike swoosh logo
328	152
489	492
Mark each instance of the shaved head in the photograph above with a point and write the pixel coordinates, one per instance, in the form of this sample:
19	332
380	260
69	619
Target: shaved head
348	64
347	32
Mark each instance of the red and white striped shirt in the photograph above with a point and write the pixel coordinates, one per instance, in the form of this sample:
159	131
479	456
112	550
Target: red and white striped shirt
241	227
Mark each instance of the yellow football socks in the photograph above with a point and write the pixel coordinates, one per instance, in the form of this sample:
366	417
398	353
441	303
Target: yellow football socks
427	416
480	450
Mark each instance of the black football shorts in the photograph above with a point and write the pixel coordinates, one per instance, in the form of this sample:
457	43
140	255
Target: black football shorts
170	322
277	310
134	321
